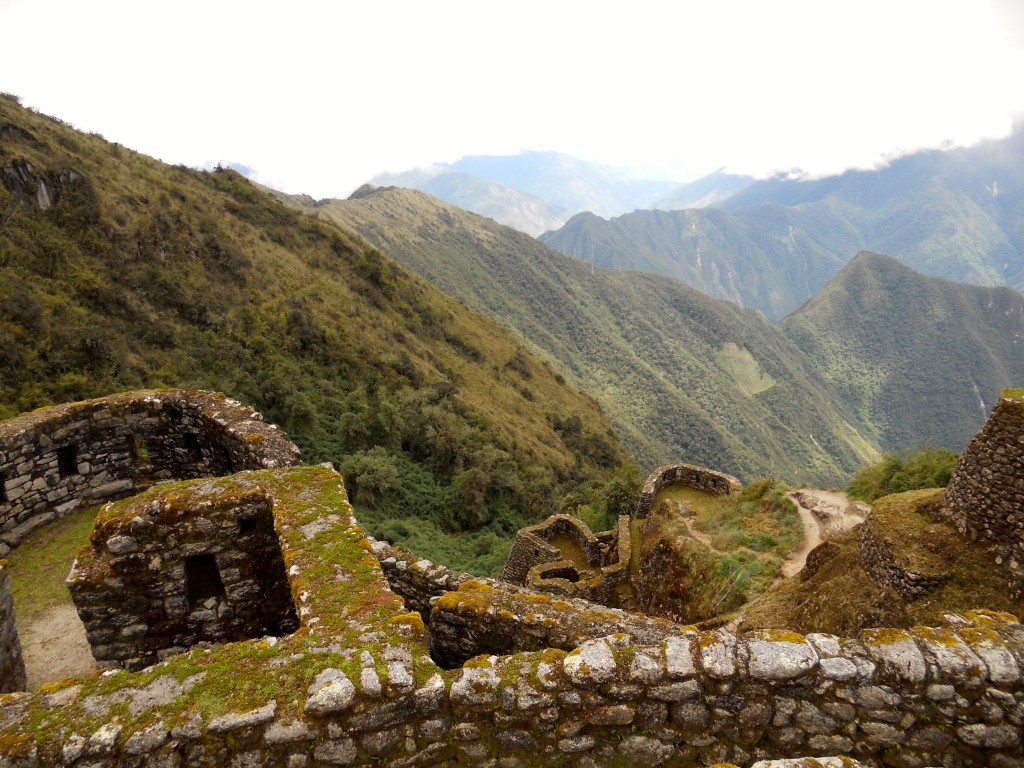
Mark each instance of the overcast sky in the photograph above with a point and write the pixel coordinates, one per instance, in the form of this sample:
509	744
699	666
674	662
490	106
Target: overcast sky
317	97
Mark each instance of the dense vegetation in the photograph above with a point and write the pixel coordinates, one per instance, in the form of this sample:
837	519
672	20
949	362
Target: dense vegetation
144	275
673	368
920	359
926	467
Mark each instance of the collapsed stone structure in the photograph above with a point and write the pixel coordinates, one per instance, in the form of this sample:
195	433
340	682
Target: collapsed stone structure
554	681
562	556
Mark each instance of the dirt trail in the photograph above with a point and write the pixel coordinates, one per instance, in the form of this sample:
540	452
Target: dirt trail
824	514
54	646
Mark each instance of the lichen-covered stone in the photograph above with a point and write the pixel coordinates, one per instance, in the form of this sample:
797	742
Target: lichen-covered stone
331	692
776	659
592	663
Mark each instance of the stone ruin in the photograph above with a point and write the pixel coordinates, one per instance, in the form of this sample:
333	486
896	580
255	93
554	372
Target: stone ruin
54	460
985	497
690	475
561	555
499	674
159	577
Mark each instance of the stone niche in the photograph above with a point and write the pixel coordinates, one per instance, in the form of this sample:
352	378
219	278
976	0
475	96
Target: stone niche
160	576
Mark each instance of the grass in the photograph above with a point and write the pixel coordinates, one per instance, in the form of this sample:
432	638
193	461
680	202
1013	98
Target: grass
759	519
39	566
745	370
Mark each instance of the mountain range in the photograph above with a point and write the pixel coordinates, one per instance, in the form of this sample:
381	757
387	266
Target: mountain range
881	358
536	192
120	272
772	244
682	376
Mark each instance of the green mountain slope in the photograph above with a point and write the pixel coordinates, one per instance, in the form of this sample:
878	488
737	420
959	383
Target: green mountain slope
956	214
919	358
119	272
681	375
739	257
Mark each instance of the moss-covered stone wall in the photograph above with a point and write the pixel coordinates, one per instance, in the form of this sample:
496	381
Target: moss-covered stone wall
985	496
12	664
355	684
690	475
157	578
54	459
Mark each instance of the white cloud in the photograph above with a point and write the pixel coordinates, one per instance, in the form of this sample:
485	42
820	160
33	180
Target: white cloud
319	96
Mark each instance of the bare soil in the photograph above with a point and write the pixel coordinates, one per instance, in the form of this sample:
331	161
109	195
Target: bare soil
824	514
54	646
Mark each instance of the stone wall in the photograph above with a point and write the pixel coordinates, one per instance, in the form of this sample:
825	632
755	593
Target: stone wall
159	577
532	546
985	497
538	561
888	569
54	459
12	665
356	685
690	475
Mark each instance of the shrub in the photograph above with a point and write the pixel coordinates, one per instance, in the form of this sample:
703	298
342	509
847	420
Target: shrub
926	467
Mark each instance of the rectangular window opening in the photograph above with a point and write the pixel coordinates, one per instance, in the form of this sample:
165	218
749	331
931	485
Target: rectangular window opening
67	462
3	488
193	447
246	526
229	465
137	449
202	578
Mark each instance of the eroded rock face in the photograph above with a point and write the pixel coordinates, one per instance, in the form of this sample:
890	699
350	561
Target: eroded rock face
36	187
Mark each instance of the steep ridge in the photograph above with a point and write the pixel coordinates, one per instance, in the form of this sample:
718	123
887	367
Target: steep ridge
956	214
757	258
919	358
681	375
120	272
537	191
506	205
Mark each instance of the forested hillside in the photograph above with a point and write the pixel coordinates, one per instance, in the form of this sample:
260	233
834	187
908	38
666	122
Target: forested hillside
919	358
684	377
119	272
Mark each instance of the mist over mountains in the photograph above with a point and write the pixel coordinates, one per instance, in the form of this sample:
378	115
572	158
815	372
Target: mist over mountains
536	192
